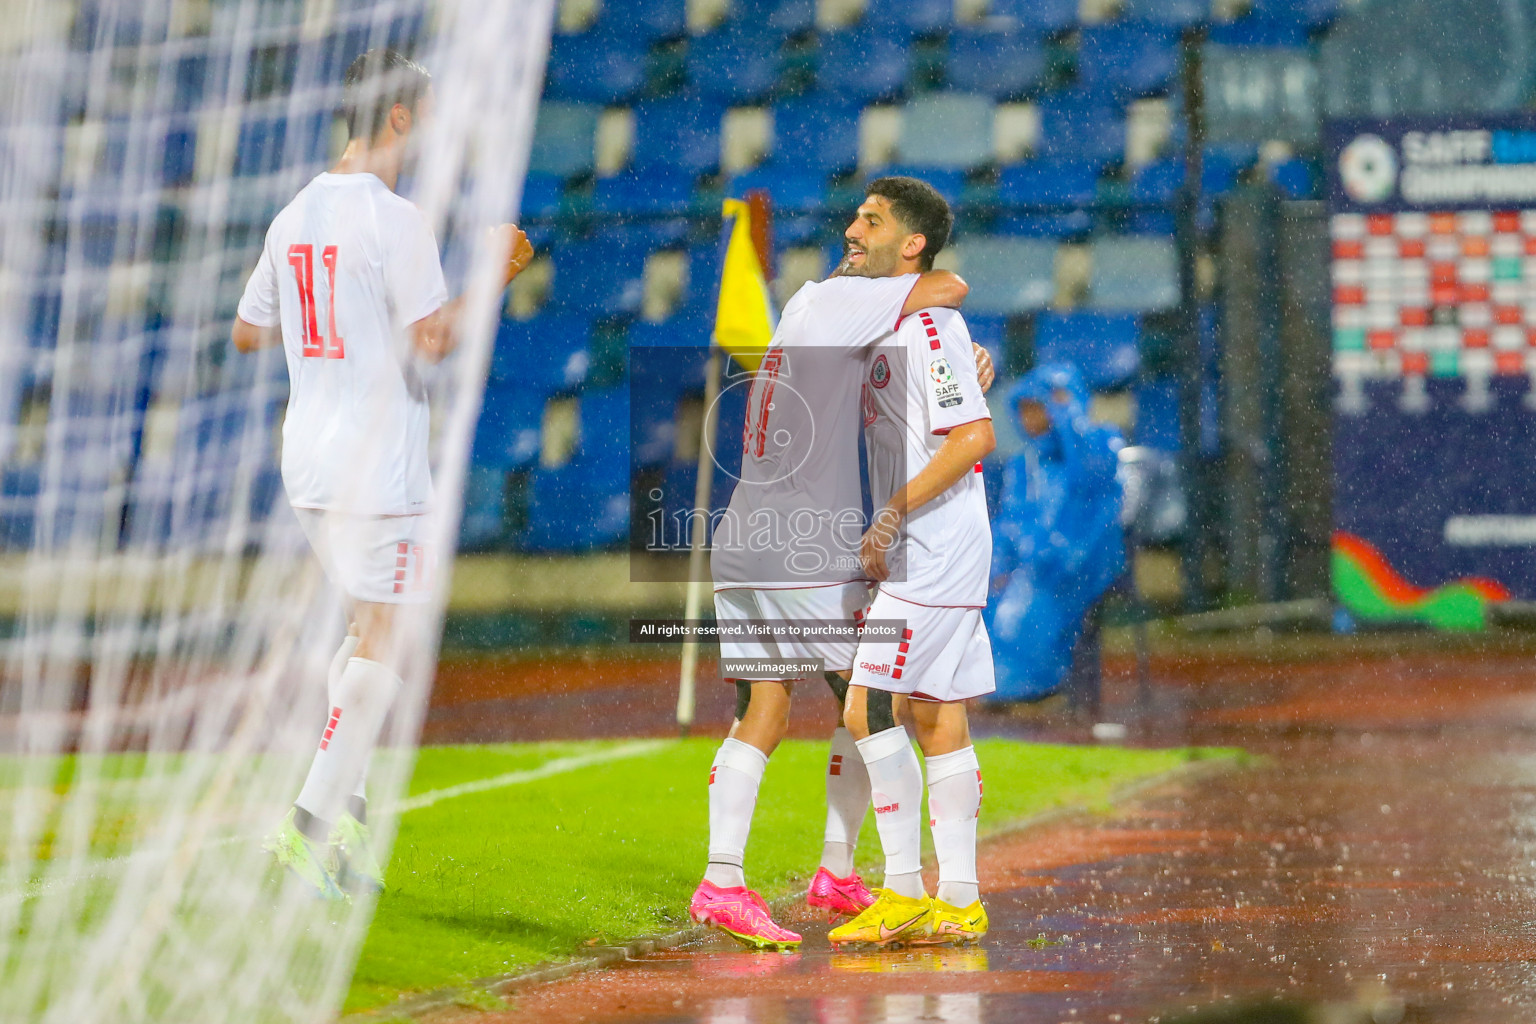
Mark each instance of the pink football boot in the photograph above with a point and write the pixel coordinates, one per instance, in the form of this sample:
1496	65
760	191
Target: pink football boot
839	897
741	914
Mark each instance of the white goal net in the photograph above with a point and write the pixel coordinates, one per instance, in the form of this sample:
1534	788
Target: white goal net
164	631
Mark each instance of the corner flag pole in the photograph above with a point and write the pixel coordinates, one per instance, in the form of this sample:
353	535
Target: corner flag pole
699	525
758	220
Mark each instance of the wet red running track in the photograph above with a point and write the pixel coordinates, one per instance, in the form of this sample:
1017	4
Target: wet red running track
1381	849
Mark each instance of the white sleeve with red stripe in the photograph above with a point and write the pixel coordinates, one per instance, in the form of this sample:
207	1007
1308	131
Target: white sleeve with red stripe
942	355
856	311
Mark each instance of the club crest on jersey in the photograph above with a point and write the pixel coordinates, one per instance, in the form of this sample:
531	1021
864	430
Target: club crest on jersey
880	373
940	372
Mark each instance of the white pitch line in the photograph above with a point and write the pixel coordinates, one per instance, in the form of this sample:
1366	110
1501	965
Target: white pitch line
555	766
558	766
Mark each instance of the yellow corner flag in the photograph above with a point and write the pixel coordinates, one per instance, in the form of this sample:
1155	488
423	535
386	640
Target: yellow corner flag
744	319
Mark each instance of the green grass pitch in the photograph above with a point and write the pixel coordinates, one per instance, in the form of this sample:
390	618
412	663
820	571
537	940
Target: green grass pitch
532	869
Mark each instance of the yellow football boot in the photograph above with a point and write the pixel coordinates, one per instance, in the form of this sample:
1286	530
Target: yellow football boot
891	920
953	926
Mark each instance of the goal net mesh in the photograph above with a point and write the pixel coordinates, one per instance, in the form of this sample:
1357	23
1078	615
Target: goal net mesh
165	630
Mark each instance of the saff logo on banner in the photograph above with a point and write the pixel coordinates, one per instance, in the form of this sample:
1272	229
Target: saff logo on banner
1368	169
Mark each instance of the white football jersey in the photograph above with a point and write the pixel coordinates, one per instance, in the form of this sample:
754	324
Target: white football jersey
346	267
918	386
796	515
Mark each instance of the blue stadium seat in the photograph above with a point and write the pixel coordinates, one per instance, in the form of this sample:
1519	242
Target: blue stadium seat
1294	179
789	17
484	522
665	364
1157	414
605	419
542	194
1171	13
1258	31
948	129
191	76
266	144
1005	63
597	277
179	161
949	183
508	434
790	186
1048	183
1076	125
703	290
582	505
646	20
656	190
863	64
1103	346
1131	60
1309	13
989	331
564	138
819	131
1007	275
547	354
918	17
737	64
1137	273
595	67
1040	15
682	133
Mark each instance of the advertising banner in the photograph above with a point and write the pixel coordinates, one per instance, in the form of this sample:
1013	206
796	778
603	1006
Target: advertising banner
1433	227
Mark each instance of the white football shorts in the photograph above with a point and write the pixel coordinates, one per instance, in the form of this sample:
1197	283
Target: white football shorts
384	559
840	602
944	654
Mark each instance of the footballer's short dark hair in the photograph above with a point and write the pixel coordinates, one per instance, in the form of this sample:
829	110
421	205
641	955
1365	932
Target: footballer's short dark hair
921	210
375	82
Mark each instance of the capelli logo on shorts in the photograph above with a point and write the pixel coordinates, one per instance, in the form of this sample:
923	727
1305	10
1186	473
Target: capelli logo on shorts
879	670
889	808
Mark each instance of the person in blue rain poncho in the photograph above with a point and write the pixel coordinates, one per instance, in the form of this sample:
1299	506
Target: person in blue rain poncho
1057	542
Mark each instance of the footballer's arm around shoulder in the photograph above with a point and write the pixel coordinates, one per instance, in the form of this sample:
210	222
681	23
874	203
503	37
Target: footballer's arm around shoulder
936	288
247	337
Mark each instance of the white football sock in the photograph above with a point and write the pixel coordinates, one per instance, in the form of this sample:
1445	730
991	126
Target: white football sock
332	678
896	789
733	781
362	698
954	803
847	803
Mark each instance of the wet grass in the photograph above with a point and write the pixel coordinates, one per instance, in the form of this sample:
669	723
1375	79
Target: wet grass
492	882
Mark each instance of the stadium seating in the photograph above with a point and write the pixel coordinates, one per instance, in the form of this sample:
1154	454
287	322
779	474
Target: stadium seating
1081	125
1134	273
646	20
598	278
1064	188
737	64
563	138
951	130
948	182
681	133
484	521
1129	60
657	190
542	194
582	505
548	354
863	64
1001	61
1177	14
819	131
1007	275
1157	414
789	17
791	187
1103	346
595	67
918	17
508	435
1040	15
